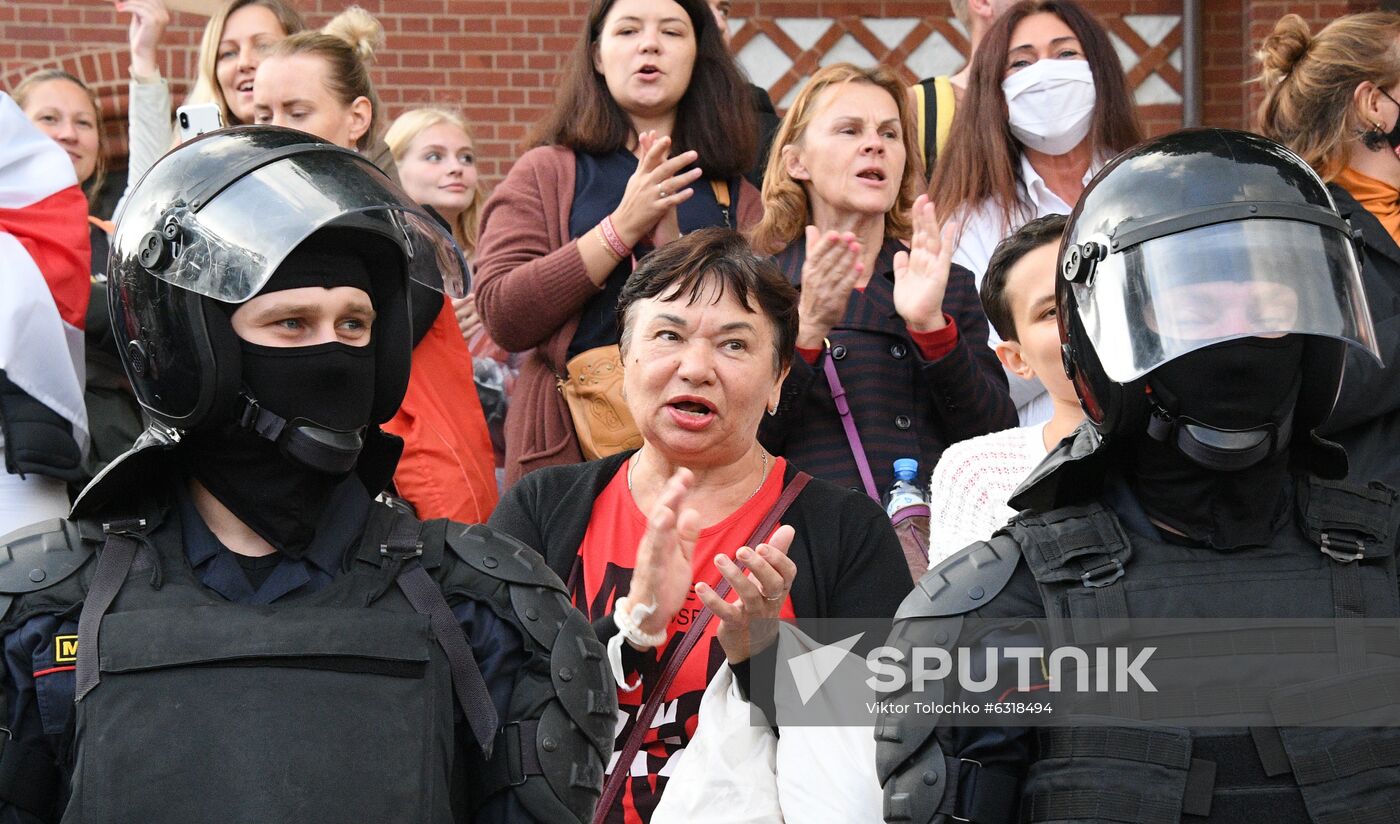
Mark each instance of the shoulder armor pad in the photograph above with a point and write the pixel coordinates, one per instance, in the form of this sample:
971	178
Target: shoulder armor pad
963	582
563	707
498	555
913	786
38	556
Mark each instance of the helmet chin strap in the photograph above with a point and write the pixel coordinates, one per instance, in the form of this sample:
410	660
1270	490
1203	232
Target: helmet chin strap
1218	449
303	441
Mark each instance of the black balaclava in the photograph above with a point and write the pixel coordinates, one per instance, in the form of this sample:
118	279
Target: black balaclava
279	482
1241	391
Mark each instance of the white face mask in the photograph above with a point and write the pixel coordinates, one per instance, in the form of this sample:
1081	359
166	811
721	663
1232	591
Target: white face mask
1051	104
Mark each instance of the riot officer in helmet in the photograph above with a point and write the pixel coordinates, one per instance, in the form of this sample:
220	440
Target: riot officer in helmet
229	627
1208	294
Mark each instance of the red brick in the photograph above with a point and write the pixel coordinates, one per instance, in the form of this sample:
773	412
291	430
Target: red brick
499	59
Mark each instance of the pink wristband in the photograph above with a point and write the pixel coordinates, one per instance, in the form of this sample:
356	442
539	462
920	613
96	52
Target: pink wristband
622	250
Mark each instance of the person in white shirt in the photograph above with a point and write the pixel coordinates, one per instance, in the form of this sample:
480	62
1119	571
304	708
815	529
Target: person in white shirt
974	478
1046	105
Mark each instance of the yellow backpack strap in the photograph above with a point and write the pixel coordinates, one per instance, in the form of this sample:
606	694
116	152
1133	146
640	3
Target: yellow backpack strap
925	115
721	188
944	103
919	116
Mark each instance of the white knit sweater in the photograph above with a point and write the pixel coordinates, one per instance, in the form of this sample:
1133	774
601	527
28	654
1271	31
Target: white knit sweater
972	482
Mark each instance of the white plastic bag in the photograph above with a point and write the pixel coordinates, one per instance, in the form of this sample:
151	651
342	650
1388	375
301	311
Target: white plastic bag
734	772
826	774
726	775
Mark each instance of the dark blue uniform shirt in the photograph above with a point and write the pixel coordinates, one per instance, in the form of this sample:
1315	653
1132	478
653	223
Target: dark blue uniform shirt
336	535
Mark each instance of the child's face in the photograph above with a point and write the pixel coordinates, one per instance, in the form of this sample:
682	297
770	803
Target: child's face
1030	292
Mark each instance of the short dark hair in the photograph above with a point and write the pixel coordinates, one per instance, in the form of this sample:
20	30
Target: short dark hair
720	257
715	116
1017	245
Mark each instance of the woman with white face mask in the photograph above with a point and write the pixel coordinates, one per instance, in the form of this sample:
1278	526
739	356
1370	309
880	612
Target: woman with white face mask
1047	104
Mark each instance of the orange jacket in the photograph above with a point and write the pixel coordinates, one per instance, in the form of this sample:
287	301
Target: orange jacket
447	469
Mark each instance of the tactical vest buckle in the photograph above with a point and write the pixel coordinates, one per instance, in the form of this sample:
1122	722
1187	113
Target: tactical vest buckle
129	526
401	551
953	816
1103	574
1340	556
404	541
511	735
249	413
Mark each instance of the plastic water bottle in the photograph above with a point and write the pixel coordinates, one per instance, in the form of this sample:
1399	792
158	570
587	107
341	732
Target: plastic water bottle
905	490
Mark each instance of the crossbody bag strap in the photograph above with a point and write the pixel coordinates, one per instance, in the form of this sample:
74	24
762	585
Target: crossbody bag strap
848	423
683	648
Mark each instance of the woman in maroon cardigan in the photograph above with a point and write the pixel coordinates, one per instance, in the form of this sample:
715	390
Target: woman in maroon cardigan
651	132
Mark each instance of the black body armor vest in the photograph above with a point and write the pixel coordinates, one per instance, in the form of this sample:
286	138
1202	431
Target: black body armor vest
343	705
1337	560
1334	559
338	704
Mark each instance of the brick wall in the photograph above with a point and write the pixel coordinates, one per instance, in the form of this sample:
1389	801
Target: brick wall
498	59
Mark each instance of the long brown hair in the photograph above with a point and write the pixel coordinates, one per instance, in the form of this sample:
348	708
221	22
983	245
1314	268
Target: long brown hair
1309	81
92	187
207	88
786	206
982	159
715	117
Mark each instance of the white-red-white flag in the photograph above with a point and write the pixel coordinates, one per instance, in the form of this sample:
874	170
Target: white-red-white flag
45	261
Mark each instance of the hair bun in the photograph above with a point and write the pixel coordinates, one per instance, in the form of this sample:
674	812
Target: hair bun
358	28
1284	47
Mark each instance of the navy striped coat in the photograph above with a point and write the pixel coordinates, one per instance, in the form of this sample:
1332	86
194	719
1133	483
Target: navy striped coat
903	405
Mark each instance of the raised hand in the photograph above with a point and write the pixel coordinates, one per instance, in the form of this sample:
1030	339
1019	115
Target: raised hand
750	623
654	191
663	574
148	21
830	272
921	274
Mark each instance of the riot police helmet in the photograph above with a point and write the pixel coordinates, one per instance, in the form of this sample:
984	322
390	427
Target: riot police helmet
206	230
1180	252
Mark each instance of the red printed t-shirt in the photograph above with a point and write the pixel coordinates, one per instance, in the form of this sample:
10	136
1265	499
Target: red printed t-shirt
603	573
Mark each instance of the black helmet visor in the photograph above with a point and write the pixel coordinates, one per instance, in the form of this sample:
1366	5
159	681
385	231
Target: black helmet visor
1162	298
227	242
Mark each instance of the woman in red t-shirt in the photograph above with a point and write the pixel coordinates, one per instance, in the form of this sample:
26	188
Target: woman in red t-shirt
645	538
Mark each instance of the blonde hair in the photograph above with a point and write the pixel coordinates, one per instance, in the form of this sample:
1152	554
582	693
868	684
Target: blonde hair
347	45
401	135
786	207
207	88
960	11
92	187
1309	82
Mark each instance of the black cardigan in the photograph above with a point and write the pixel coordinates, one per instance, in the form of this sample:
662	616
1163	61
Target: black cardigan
849	561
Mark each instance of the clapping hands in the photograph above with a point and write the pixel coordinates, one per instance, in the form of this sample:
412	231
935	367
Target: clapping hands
921	274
